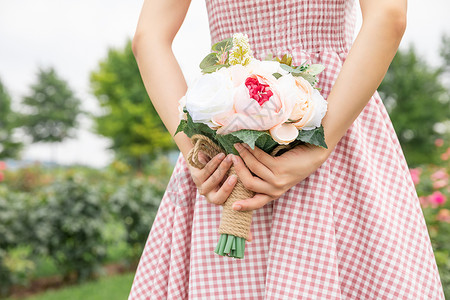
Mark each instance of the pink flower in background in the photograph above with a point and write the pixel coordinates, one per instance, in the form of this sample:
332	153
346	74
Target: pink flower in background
439	142
446	154
443	215
440	184
439	174
437	198
423	201
439	178
2	165
415	175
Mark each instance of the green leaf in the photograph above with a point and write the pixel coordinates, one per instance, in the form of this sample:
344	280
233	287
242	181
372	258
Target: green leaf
315	136
315	69
248	136
310	78
181	126
227	142
222	46
277	75
209	60
213	68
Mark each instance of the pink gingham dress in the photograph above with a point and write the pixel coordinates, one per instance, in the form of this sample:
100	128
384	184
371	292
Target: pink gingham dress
353	229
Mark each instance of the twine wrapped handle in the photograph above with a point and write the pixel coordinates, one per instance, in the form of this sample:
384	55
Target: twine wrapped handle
232	222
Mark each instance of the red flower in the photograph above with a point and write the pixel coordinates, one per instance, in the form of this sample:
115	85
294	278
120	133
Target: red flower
257	90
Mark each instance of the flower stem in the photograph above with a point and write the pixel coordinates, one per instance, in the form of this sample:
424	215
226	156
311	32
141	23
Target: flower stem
231	246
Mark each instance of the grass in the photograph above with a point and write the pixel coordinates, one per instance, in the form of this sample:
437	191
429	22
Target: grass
111	288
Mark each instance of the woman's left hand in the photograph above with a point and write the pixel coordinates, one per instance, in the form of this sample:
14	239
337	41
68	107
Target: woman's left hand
274	175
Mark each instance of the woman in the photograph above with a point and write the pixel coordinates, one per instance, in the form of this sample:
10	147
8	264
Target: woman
341	223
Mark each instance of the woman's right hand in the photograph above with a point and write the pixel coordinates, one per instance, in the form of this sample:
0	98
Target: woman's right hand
211	180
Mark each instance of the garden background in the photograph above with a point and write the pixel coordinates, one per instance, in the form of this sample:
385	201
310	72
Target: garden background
84	158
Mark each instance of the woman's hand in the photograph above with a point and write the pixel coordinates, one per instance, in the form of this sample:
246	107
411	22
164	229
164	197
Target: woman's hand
211	181
274	175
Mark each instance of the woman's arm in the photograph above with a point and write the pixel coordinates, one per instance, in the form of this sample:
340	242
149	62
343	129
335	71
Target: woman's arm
384	22
158	24
383	26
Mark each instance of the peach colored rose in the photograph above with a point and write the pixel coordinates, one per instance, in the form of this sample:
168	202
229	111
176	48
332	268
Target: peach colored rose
259	104
310	107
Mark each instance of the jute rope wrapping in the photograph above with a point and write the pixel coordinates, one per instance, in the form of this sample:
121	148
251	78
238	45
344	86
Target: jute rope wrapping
232	222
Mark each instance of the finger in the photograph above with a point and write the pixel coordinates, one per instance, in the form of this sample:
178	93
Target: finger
257	201
253	163
224	192
251	182
265	158
203	158
213	181
211	166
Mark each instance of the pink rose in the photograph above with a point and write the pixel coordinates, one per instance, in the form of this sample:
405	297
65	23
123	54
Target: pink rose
2	165
259	104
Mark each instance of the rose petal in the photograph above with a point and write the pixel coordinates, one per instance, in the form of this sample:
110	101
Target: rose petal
284	133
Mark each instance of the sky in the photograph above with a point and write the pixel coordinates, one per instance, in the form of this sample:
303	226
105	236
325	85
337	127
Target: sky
73	36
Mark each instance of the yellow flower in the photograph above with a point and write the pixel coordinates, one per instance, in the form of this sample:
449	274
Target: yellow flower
240	53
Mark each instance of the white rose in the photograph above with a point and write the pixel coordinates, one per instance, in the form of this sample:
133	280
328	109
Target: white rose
320	106
209	95
181	105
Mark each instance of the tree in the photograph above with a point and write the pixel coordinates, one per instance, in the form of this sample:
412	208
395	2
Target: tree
8	147
51	109
417	102
129	118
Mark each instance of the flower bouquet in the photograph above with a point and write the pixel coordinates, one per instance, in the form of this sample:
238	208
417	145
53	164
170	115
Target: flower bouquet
270	104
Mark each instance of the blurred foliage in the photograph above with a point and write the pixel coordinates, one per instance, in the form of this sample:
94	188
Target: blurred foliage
71	219
445	51
28	179
136	204
8	147
433	189
14	265
129	118
416	101
67	220
51	109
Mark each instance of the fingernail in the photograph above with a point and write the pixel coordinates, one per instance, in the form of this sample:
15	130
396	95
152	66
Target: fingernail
238	146
232	179
237	206
229	158
221	155
234	158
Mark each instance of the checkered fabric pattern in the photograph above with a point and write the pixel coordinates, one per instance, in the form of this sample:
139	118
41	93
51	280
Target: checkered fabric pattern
353	229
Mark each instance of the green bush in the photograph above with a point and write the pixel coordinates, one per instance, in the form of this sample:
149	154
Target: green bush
68	225
14	265
136	204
